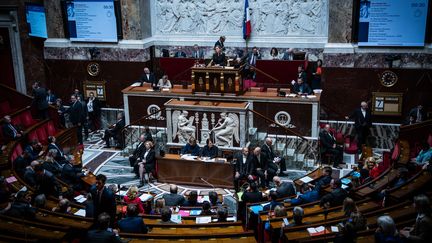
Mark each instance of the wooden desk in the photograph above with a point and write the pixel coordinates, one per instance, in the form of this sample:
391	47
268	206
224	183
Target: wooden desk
220	80
172	169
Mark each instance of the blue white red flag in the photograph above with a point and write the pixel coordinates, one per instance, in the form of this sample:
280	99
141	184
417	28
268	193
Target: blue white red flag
246	21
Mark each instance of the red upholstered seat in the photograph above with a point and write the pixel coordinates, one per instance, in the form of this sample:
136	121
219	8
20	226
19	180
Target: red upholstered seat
33	136
42	135
396	152
352	148
16	120
51	130
429	140
5	107
27	119
16	152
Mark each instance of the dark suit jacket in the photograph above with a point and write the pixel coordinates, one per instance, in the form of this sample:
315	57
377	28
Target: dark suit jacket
219	59
198	54
326	141
413	112
101	236
96	106
47	184
338	196
120	124
247	168
252	197
267	153
209	152
261	163
8	132
60	155
173	199
150	159
20	164
249	59
286	189
51	98
132	225
151	79
75	113
21	209
221	44
106	203
34	155
359	120
180	54
304	87
29	176
422	230
39	98
70	174
139	151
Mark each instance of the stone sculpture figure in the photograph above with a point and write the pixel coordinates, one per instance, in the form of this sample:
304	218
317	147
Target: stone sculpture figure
183	127
226	130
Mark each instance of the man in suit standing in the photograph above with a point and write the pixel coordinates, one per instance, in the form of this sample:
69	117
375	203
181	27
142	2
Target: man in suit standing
75	116
173	199
115	131
328	145
244	167
10	132
51	98
362	123
103	198
274	161
197	52
148	77
40	100
220	43
419	113
103	233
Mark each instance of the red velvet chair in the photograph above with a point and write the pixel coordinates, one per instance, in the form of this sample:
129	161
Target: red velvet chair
33	136
5	108
350	145
16	152
27	119
51	130
16	120
42	135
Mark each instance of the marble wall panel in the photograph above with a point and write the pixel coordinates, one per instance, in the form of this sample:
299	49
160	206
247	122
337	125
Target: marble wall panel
54	18
105	54
340	21
131	19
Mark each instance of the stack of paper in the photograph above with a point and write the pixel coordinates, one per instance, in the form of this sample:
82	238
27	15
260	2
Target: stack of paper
145	197
317	231
201	199
11	179
306	179
334	229
80	198
203	220
81	213
176	218
121	193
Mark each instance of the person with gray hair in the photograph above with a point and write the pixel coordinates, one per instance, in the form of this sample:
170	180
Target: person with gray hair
50	164
362	122
422	229
40	201
298	213
386	231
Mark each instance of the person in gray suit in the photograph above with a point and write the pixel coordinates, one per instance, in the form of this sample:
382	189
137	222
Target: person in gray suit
173	199
197	53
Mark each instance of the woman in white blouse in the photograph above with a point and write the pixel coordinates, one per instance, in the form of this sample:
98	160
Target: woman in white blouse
164	83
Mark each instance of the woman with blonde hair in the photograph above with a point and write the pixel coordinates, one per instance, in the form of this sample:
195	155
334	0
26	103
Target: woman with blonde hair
132	198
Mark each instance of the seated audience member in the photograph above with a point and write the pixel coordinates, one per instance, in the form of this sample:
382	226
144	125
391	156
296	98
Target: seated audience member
261	168
419	112
71	175
274	161
172	198
222	214
301	87
356	222
147	162
21	207
324	180
21	162
180	52
192	200
159	204
307	195
102	233
132	223
425	154
148	77
63	207
137	153
252	194
206	209
244	167
273	201
164	83
40	201
218	58
298	213
191	147
422	229
283	189
197	53
349	206
60	157
329	145
131	197
280	211
213	197
115	131
274	53
288	55
334	198
386	231
10	132
46	182
166	216
364	174
34	149
50	164
368	170
29	176
209	150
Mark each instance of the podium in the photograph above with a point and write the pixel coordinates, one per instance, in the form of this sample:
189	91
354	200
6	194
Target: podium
217	81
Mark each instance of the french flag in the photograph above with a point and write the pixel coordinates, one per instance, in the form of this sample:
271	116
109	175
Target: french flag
246	21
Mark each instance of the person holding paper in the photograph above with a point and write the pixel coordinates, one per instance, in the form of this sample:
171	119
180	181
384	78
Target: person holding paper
209	150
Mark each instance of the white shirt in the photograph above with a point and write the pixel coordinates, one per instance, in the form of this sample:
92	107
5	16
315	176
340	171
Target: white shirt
90	105
363	112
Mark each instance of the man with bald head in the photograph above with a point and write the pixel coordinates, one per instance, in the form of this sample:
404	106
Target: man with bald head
148	77
244	167
283	188
275	162
362	123
173	199
262	168
328	145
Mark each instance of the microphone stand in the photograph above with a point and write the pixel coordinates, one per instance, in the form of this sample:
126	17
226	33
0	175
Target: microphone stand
208	183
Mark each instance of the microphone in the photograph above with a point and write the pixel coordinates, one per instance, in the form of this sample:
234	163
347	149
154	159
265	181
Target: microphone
208	183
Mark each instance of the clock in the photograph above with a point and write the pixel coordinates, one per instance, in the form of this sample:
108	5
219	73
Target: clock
93	69
388	78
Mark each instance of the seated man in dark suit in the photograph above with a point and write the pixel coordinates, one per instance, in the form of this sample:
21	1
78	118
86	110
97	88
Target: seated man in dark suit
298	213
115	131
132	223
261	167
218	58
173	199
60	157
103	198
324	180
30	175
273	203
328	145
283	189
209	150
138	152
148	77
213	197
334	198
71	175
244	167
301	87
34	149
21	162
10	132
103	233
21	207
192	200
191	147
180	52
46	182
252	194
